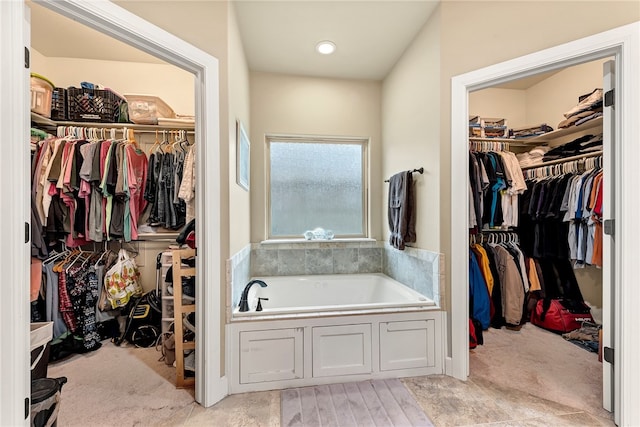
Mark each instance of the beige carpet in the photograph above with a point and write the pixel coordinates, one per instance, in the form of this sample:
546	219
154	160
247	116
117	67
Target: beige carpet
118	386
540	363
365	403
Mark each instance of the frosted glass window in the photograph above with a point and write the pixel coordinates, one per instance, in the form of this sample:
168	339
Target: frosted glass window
317	184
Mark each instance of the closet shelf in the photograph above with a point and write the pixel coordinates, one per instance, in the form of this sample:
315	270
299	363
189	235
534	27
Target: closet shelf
549	136
563	160
169	237
511	141
544	138
49	124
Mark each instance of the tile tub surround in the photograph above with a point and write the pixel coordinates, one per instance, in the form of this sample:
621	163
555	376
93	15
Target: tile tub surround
419	269
294	259
238	275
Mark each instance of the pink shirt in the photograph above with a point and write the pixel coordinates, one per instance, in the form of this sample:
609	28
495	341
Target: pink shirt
137	164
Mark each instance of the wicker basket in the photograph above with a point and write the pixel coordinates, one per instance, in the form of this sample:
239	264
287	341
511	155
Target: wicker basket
92	105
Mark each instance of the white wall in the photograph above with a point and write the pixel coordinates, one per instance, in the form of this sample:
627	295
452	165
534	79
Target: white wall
312	106
172	84
411	131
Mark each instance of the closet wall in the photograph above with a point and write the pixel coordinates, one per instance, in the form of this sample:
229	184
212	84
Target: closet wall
171	84
545	102
174	85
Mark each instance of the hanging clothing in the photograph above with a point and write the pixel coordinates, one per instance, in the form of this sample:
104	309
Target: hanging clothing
496	183
188	185
87	191
478	293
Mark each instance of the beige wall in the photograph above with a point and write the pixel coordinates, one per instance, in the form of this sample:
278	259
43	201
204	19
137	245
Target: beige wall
549	99
410	130
239	199
500	103
312	106
172	84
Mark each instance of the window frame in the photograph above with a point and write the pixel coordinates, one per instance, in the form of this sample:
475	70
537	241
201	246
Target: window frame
289	138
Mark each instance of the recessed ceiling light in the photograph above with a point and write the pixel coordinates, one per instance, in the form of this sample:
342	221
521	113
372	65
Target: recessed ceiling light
326	47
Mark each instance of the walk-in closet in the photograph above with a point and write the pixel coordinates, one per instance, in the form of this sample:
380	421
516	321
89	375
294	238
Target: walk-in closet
113	200
535	234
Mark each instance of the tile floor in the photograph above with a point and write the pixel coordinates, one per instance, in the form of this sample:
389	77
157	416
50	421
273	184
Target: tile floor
447	401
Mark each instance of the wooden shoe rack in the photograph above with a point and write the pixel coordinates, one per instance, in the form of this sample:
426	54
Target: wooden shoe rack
181	270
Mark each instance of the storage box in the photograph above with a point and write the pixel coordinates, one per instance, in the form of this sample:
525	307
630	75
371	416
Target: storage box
93	105
40	336
59	104
147	109
41	93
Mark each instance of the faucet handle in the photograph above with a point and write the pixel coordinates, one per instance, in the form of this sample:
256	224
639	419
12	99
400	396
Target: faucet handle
259	307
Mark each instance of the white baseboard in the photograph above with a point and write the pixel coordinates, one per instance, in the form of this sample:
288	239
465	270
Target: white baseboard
448	366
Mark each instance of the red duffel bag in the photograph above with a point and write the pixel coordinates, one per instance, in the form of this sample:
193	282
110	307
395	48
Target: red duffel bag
560	315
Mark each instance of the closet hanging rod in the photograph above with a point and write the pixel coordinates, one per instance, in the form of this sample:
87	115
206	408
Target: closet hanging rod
564	160
419	170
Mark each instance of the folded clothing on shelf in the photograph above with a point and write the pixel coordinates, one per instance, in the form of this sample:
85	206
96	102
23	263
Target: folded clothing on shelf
530	131
583	145
588	104
533	157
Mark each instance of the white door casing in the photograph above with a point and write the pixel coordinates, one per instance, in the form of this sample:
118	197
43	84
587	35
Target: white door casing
623	43
609	284
14	175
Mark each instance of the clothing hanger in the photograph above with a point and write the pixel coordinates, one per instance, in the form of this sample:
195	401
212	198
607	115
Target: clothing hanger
78	256
55	256
60	265
155	145
131	138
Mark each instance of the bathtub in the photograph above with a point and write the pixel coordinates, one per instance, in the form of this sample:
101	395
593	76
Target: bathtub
330	294
330	329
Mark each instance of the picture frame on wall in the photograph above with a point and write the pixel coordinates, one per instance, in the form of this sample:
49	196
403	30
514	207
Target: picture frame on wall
243	146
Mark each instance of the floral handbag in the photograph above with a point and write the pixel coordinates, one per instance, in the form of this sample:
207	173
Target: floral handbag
122	280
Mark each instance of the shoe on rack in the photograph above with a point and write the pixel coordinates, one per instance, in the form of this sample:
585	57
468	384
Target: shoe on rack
189	322
190	361
189	286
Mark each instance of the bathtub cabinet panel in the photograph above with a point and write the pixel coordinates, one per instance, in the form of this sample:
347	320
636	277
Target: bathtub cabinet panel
341	350
272	355
406	345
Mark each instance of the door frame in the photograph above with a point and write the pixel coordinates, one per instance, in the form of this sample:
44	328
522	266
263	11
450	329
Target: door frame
116	22
624	44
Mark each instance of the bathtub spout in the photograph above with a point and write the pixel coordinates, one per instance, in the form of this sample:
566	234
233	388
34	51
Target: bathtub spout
244	304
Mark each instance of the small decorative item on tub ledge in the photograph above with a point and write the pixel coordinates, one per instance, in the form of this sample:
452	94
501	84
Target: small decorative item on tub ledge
318	234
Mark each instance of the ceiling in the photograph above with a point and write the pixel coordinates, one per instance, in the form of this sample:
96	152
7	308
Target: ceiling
278	36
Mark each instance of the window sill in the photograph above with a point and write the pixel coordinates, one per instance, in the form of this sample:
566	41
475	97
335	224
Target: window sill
299	241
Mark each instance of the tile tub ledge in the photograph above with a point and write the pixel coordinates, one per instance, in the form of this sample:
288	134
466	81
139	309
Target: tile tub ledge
298	241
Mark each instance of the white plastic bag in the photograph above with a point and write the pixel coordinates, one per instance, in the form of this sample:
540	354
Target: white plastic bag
122	280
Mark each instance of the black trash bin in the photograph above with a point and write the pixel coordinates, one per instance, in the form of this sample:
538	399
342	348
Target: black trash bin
45	401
